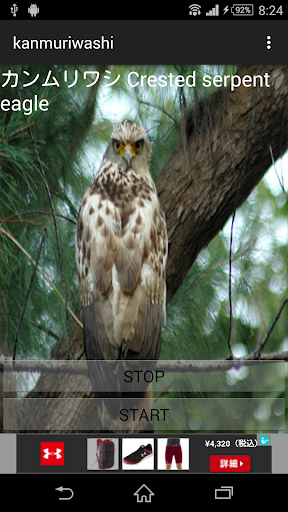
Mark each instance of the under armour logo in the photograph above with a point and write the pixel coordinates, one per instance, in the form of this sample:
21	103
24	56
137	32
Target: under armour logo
52	453
57	453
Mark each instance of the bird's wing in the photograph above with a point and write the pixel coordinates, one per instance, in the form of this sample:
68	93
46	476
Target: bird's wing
140	333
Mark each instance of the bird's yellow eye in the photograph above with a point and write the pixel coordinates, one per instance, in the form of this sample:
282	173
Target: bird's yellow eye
116	145
139	145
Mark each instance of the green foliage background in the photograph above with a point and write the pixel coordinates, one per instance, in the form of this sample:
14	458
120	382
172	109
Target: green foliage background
70	138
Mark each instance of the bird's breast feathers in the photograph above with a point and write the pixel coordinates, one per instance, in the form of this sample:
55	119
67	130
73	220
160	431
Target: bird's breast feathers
121	248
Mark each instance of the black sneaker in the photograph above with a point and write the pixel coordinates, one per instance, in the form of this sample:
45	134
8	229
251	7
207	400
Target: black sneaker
142	453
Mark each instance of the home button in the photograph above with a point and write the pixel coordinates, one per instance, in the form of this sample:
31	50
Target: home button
143	494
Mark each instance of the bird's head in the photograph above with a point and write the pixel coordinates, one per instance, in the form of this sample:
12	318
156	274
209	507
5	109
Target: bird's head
129	147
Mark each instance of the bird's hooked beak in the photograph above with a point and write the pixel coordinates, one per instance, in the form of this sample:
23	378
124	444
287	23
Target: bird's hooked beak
129	153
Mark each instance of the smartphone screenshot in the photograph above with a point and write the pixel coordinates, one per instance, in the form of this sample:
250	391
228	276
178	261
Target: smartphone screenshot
144	252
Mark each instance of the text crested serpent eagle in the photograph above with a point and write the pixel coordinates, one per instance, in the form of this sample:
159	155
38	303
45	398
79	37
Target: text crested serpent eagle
121	254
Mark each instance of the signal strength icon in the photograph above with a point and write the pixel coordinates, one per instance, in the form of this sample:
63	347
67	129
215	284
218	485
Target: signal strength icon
214	11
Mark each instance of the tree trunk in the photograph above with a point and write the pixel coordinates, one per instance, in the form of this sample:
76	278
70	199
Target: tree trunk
228	148
227	154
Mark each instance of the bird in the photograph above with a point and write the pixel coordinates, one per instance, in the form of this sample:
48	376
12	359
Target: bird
121	257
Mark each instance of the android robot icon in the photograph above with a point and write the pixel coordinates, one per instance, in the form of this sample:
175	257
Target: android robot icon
33	10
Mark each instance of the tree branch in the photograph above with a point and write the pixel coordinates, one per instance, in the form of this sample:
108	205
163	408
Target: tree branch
271	328
41	271
28	293
194	366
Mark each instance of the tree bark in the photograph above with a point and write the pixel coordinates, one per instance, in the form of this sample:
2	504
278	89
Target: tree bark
225	155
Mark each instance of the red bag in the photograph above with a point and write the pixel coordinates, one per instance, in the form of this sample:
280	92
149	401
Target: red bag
105	454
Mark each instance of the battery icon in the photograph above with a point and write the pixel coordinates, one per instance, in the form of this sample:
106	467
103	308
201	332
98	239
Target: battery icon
242	9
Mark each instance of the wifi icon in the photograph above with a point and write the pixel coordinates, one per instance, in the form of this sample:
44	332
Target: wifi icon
194	9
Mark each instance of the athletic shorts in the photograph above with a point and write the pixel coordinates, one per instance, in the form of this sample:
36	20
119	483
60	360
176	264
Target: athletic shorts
173	450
